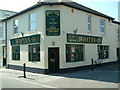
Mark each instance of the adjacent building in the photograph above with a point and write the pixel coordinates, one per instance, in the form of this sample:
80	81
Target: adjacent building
55	37
3	14
119	30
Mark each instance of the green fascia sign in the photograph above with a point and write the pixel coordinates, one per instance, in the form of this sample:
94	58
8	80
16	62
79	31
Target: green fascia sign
77	38
52	22
26	40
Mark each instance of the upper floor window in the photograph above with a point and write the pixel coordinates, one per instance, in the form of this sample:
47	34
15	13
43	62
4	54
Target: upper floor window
15	26
89	23
118	34
102	26
32	22
1	32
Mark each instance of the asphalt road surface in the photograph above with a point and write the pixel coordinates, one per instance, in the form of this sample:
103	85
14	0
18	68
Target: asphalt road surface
101	77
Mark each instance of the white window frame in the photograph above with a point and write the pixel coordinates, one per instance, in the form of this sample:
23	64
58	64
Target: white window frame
32	22
89	19
102	26
15	27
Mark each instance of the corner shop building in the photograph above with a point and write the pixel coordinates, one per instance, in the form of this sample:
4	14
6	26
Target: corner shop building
59	36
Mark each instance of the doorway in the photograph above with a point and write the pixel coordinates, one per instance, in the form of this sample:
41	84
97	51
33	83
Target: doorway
118	54
53	60
4	56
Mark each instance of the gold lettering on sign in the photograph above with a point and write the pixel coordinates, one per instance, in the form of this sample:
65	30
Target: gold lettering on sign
84	39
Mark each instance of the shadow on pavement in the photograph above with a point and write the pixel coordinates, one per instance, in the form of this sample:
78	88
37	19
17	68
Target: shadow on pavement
106	73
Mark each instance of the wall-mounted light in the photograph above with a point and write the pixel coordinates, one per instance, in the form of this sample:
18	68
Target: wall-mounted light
22	34
53	43
75	31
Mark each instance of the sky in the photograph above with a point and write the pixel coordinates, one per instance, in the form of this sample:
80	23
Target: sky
108	7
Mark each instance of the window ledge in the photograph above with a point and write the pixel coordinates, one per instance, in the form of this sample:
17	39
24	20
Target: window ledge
33	31
16	34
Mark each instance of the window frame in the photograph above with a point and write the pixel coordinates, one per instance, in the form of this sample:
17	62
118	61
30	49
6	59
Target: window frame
32	22
69	53
103	51
15	27
16	53
102	26
1	32
89	21
32	55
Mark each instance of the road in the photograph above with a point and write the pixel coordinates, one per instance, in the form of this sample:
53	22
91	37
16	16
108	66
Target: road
104	77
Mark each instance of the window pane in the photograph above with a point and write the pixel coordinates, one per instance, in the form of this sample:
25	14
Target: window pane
34	53
32	17
74	53
103	52
32	22
32	26
15	26
89	23
15	52
1	32
102	26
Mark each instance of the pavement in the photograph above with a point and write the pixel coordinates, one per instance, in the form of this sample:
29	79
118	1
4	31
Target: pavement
101	77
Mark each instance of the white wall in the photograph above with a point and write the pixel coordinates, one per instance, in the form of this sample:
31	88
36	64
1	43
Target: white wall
69	22
24	27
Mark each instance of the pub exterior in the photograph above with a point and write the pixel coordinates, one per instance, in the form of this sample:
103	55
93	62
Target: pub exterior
53	37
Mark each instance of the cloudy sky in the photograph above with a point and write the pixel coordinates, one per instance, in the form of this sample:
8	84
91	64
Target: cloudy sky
108	7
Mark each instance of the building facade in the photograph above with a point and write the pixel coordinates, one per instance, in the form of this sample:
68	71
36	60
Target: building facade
3	14
59	36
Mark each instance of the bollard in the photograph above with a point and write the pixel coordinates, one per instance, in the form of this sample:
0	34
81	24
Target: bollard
24	70
92	62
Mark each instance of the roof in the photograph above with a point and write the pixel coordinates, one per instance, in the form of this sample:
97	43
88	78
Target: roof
116	22
68	4
8	11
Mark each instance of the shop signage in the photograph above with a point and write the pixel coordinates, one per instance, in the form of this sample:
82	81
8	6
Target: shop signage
26	40
75	38
52	22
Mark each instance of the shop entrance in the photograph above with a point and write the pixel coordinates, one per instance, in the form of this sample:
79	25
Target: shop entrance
53	60
4	56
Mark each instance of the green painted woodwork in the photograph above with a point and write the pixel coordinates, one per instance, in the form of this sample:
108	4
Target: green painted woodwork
77	38
26	40
52	22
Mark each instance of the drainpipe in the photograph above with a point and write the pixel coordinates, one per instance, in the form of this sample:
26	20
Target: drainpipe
6	43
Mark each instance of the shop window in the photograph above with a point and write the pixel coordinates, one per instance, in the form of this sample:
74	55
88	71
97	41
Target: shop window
34	53
74	53
15	52
32	22
103	52
15	26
